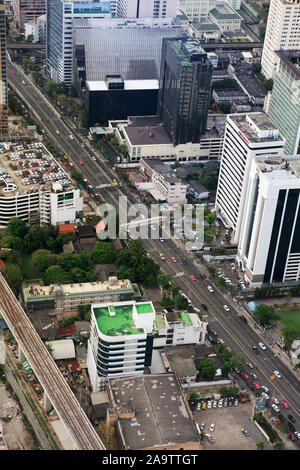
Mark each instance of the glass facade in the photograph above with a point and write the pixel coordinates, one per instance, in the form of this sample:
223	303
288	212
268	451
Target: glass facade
185	82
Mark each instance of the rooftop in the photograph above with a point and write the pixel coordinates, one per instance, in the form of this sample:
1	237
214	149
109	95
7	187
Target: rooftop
147	135
161	414
101	85
279	167
223	11
206	26
256	127
31	168
35	290
119	319
252	84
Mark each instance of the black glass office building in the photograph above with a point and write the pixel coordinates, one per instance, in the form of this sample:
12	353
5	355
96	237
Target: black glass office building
184	89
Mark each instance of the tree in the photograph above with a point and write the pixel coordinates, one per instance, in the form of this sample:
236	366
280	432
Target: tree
211	217
103	253
16	227
163	280
180	302
193	397
13	275
42	259
264	314
225	369
57	275
260	445
289	334
208	178
207	369
34	239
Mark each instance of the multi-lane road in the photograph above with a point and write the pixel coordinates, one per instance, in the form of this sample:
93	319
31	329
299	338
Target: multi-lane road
238	336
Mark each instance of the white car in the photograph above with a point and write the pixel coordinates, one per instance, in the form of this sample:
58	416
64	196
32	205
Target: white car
277	374
210	289
226	308
264	394
265	389
297	434
275	401
275	408
212	427
57	132
23	82
209	404
262	346
71	137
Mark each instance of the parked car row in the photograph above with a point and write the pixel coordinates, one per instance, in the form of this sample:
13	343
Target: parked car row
208	404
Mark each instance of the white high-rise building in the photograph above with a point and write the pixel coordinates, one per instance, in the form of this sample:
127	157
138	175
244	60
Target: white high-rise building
197	10
269	246
246	137
145	8
282	33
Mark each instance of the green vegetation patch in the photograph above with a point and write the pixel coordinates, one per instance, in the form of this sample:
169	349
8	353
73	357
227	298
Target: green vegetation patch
186	318
291	319
144	308
119	324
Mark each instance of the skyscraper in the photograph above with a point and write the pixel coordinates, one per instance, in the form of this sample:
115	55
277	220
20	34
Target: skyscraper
184	90
284	109
3	74
283	32
269	246
246	137
146	8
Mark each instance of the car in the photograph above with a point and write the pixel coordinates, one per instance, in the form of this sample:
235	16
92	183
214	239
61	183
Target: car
215	403
236	402
254	375
262	346
174	259
250	365
284	404
220	341
264	394
80	162
204	307
225	402
275	408
13	72
245	376
247	433
94	158
255	349
210	289
275	419
193	277
291	418
291	436
202	425
214	333
46	119
184	261
209	437
220	404
57	131
71	137
291	427
281	418
198	406
265	389
257	387
162	257
209	404
200	276
297	434
244	320
226	308
203	406
211	427
275	401
23	82
277	374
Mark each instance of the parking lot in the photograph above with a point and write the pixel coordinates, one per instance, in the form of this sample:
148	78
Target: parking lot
229	423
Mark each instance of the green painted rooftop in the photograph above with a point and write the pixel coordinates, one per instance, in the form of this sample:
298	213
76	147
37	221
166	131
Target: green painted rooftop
121	323
186	318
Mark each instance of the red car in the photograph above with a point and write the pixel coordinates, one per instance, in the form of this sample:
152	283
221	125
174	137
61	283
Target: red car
13	72
173	259
291	436
193	277
245	376
284	403
277	419
256	385
80	162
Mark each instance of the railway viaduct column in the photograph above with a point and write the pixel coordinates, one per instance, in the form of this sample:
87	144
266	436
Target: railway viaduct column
21	355
47	403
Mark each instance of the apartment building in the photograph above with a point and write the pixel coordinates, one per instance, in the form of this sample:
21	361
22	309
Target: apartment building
246	136
198	10
175	328
27	10
146	8
282	33
269	245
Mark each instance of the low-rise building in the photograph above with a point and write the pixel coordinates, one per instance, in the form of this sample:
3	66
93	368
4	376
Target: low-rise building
205	31
225	17
151	412
253	87
174	328
229	96
58	298
165	180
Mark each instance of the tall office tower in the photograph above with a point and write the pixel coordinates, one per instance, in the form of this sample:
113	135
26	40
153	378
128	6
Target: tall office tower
246	136
284	109
3	74
27	10
146	8
184	89
197	10
59	40
269	246
283	32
